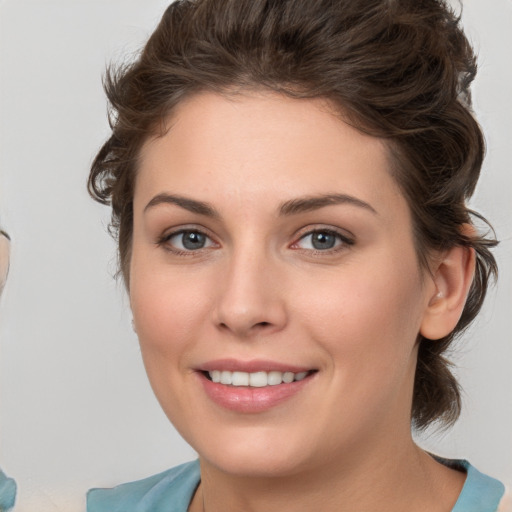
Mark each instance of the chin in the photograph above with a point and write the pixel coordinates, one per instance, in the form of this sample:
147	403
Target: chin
255	465
248	453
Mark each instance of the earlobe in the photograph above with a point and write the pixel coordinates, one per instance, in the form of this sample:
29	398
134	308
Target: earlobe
452	278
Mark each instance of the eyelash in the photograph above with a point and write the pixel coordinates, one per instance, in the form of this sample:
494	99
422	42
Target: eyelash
344	239
163	241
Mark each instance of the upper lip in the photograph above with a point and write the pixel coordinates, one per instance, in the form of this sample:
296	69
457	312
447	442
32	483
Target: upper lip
252	366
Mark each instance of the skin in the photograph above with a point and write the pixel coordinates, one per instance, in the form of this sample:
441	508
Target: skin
259	290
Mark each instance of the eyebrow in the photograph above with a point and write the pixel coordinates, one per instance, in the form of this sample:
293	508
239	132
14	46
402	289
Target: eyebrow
191	205
306	204
291	207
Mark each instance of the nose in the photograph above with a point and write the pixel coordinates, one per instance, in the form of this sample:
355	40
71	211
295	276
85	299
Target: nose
251	299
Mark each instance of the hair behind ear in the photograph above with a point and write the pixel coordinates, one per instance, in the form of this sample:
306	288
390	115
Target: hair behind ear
437	395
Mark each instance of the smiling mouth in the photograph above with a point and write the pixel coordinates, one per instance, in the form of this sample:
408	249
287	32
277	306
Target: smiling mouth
255	379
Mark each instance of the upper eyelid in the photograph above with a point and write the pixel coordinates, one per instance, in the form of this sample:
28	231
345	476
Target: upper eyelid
163	241
169	233
346	242
343	233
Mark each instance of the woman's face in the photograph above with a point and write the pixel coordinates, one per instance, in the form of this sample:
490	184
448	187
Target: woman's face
271	243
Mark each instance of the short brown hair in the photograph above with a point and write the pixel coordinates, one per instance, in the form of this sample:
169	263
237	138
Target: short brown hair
398	69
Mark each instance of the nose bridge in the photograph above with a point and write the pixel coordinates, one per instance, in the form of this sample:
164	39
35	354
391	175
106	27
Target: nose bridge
250	299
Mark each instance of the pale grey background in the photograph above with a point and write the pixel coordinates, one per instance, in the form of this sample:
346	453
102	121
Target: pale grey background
76	409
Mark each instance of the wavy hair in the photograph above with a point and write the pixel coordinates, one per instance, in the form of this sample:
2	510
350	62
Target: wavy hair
397	69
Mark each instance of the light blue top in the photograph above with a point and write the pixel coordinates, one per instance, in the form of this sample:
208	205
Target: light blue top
7	492
172	491
480	493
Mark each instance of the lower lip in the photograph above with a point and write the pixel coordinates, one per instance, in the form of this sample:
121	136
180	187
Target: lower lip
249	399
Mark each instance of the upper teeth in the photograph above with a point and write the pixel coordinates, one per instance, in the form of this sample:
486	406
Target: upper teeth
256	379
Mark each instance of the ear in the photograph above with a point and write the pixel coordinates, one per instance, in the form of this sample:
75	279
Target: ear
452	278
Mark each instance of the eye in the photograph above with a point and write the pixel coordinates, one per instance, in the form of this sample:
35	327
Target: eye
322	240
187	240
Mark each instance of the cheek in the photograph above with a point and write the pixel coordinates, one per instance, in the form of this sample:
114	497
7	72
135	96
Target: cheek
368	320
367	325
169	315
168	310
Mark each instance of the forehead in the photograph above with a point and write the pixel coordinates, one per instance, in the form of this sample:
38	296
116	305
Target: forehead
261	146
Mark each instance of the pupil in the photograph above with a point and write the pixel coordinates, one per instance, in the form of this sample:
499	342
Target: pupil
323	240
193	240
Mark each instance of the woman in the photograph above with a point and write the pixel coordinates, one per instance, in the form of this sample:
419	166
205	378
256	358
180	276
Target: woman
289	183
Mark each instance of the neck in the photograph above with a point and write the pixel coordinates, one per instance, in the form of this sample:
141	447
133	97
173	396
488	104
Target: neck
407	479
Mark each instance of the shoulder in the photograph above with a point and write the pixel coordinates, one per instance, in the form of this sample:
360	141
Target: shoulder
171	491
481	493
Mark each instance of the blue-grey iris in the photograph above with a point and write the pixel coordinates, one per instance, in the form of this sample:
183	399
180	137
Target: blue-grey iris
322	240
193	240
